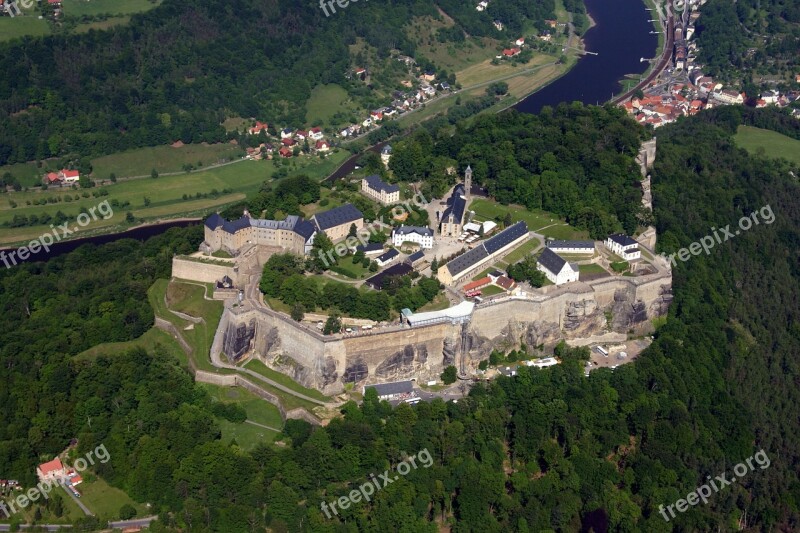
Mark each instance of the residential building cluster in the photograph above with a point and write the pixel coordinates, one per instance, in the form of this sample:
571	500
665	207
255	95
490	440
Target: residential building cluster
61	178
684	89
289	140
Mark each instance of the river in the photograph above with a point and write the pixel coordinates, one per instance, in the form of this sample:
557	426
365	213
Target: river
621	36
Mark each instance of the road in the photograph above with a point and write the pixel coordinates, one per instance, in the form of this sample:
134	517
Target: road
77	500
136	522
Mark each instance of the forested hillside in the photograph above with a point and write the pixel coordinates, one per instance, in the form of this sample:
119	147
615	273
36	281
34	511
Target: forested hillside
575	161
743	41
547	450
178	70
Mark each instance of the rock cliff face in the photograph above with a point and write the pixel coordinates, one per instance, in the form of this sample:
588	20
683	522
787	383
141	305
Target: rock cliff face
327	363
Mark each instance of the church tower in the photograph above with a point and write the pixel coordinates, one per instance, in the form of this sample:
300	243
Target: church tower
468	181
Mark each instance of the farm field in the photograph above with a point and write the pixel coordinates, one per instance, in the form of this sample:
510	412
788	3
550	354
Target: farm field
165	196
326	101
79	8
773	144
27	24
164	159
104	500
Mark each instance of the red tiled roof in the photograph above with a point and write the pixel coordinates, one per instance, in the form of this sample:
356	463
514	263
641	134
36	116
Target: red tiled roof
477	284
504	282
71	173
51	466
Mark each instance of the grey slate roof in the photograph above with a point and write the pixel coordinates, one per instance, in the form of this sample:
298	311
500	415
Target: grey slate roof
463	262
456	204
622	239
388	255
377	184
407	230
385	389
369	247
506	236
292	223
413	258
552	261
337	216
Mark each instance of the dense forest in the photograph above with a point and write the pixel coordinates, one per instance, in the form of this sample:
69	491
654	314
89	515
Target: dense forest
573	160
546	450
742	41
177	71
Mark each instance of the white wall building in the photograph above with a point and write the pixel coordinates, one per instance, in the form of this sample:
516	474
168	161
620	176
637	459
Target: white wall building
416	234
556	268
623	246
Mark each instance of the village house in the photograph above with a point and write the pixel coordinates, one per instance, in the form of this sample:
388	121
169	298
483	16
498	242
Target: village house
287	133
258	128
316	134
51	471
322	146
511	52
556	268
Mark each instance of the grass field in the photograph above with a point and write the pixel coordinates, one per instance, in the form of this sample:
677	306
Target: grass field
22	25
522	251
165	194
258	411
591	268
78	8
28	174
152	339
539	221
102	24
141	161
326	101
104	500
491	290
773	144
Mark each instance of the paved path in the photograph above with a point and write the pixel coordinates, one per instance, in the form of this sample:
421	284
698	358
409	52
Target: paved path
136	522
262	426
85	509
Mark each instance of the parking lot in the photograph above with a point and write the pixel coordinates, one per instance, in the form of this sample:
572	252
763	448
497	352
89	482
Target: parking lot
618	354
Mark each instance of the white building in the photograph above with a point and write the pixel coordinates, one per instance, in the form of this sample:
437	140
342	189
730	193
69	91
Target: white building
415	234
572	247
623	246
556	268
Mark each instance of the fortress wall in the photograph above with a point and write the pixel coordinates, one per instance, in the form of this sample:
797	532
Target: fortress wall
203	272
327	363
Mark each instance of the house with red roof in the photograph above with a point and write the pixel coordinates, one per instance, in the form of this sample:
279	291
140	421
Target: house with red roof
322	146
285	152
258	128
51	470
511	52
288	142
316	133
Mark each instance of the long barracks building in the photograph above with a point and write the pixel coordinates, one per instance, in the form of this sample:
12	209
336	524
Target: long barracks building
293	234
484	254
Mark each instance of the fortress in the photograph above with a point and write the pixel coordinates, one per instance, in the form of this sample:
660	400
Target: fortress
418	346
604	309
